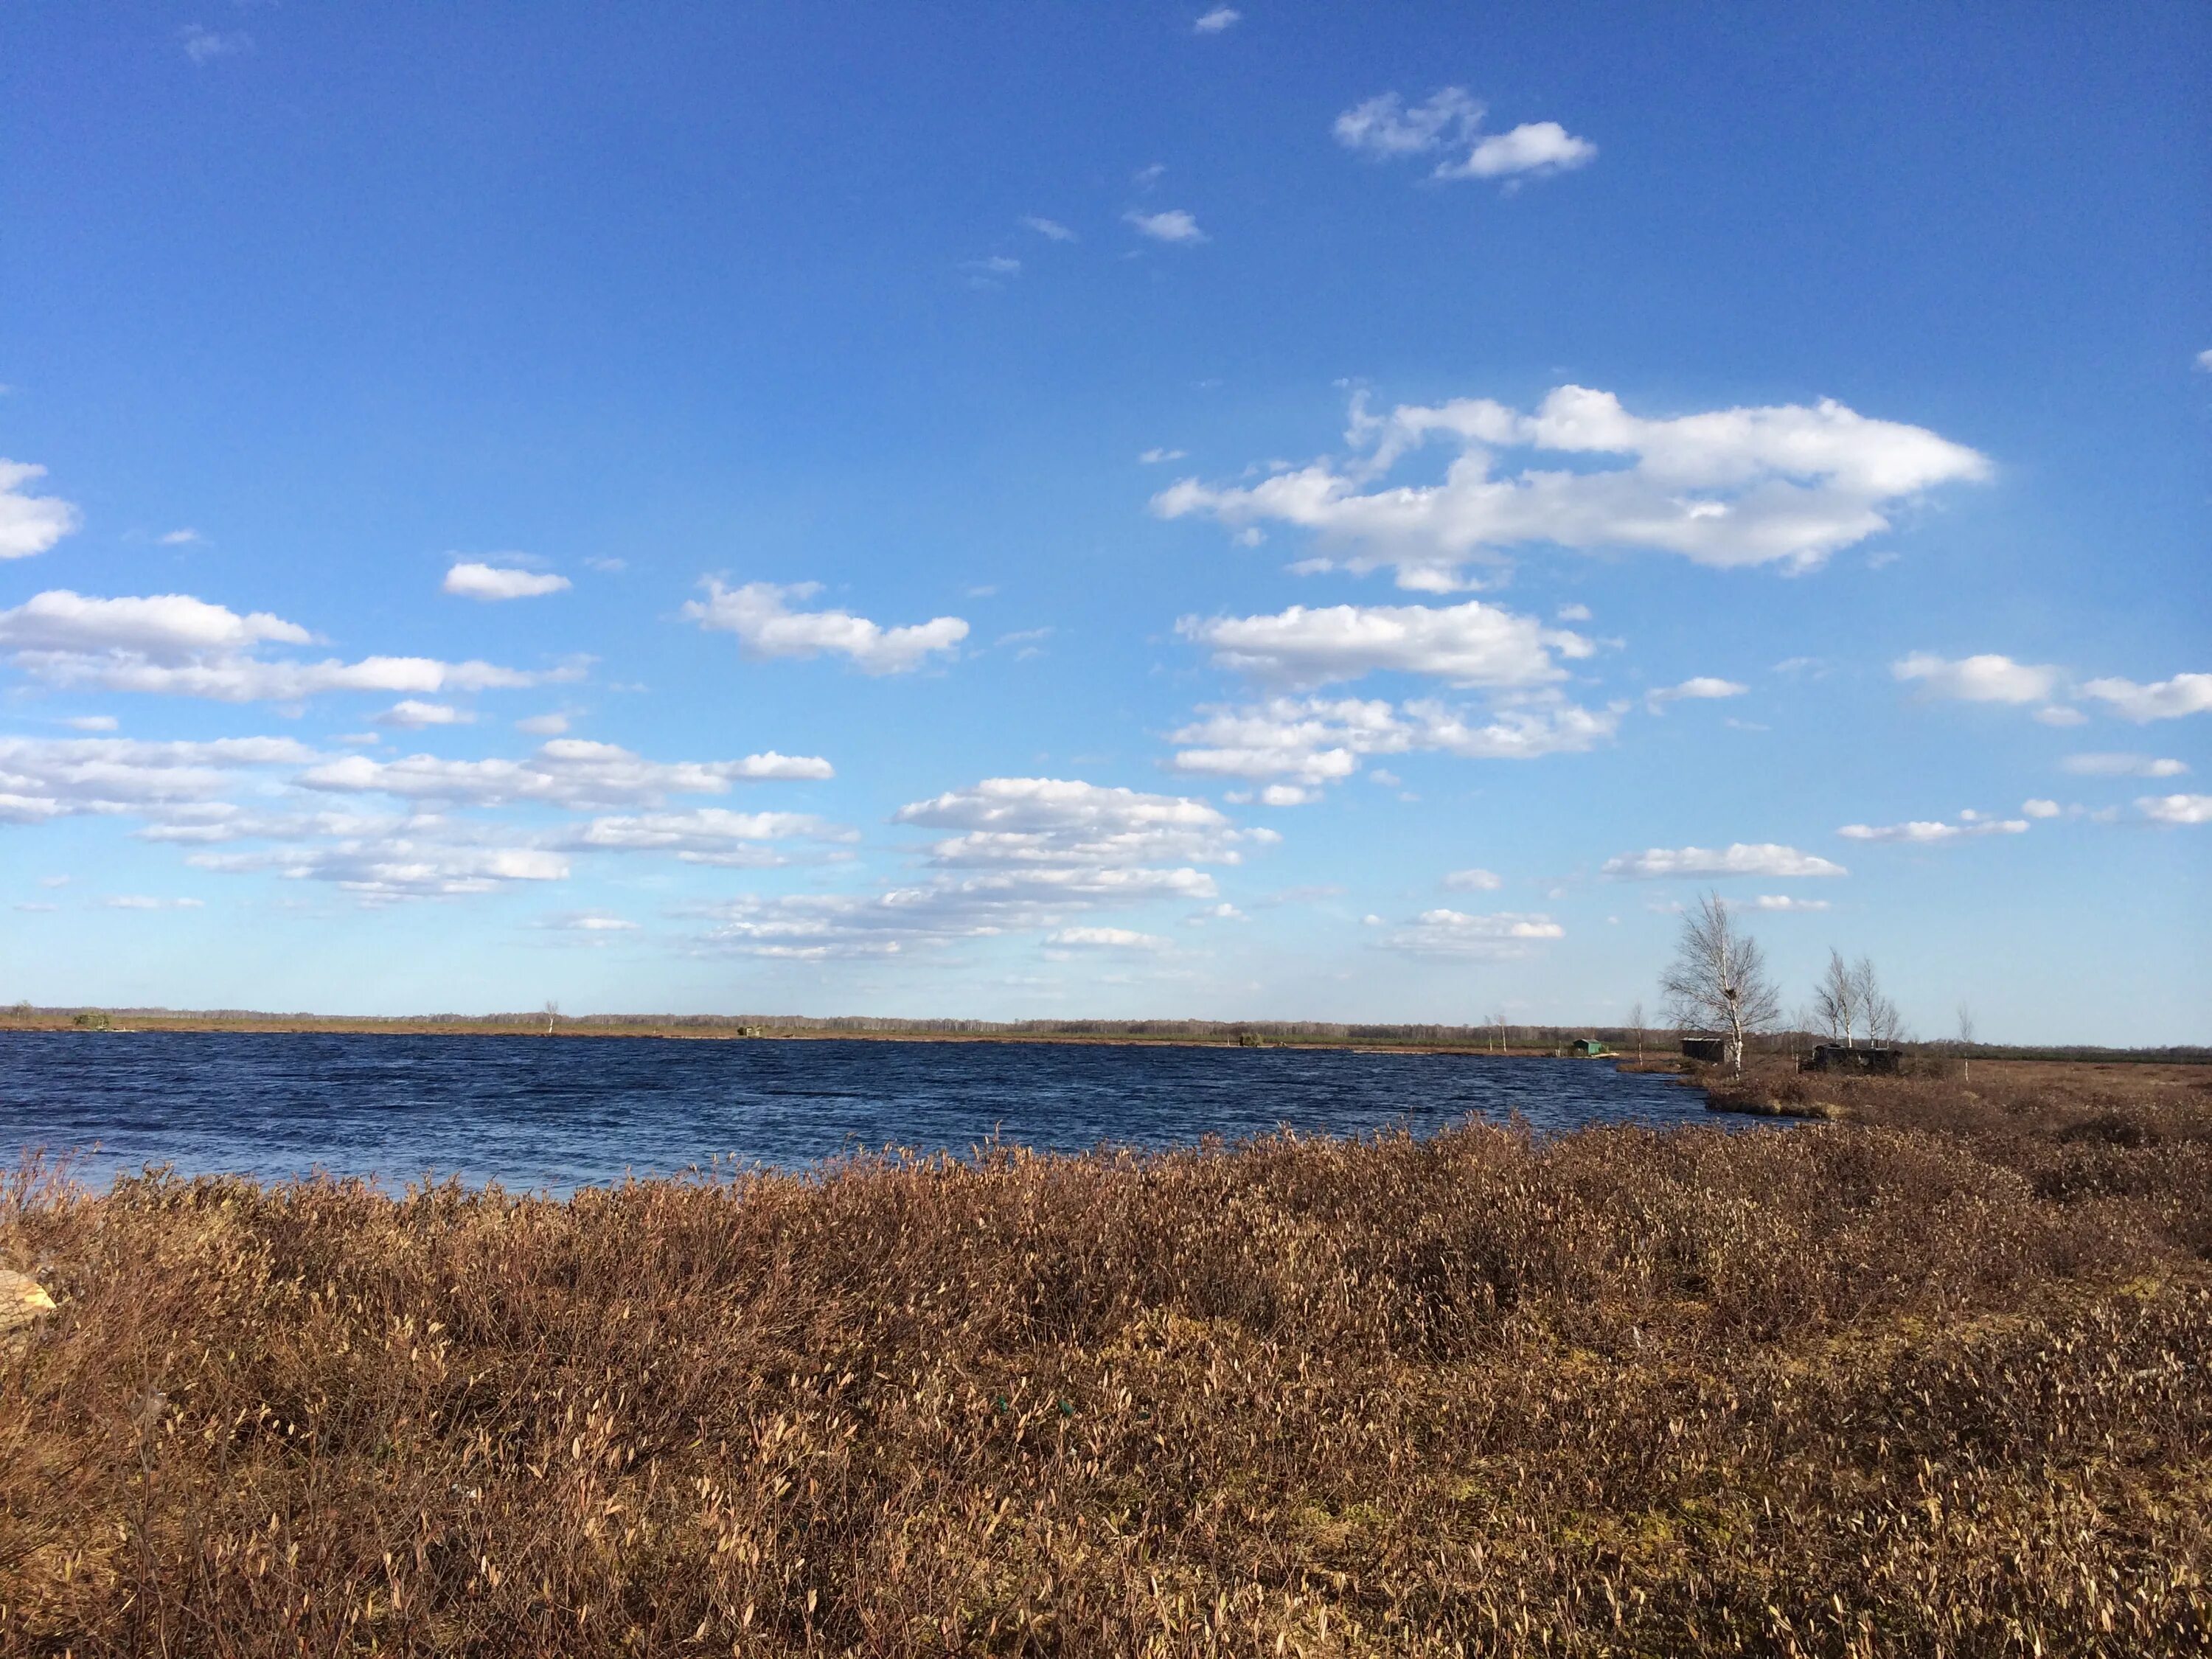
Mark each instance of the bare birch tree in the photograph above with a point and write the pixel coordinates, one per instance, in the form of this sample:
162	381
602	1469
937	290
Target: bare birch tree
1878	1015
1835	999
1718	980
1636	1023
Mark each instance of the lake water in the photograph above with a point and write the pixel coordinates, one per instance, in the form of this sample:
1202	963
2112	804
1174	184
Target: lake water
556	1113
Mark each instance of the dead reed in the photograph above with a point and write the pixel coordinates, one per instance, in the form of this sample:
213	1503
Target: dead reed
1932	1382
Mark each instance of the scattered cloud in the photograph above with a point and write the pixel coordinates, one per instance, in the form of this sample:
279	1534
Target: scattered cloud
91	723
187	538
141	902
565	772
1051	230
1214	21
30	523
2176	808
1313	740
2122	766
1106	938
2204	360
2164	700
587	922
45	778
1789	485
1472	644
710	835
1386	128
1925	832
380	861
172	644
413	715
1985	678
543	726
2040	809
1782	901
1573	613
1737	859
1170	225
1482	938
1155	457
1700	687
1065	822
473	580
759	614
1474	881
203	45
1146	177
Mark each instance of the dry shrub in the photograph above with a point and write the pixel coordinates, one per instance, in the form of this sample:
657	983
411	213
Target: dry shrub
1932	1382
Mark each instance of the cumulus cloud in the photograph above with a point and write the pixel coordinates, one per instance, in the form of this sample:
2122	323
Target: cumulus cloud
2122	766
1155	457
1472	644
1474	881
421	857
2163	700
30	523
2176	808
473	579
173	644
1170	225
543	726
91	722
1788	484
710	835
1067	822
1737	859
413	713
1051	230
1214	21
1106	938
1931	832
573	772
1314	740
186	537
45	778
1782	901
1985	678
1484	937
1386	128
760	614
1698	687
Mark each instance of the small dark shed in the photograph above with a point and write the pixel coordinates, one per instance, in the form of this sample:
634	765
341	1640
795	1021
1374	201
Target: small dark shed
1834	1057
1712	1051
1586	1047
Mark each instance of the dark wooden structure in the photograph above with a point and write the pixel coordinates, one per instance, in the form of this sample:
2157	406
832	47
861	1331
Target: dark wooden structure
1835	1057
1706	1051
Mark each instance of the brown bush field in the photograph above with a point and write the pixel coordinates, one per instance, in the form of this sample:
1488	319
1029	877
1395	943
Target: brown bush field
1931	1380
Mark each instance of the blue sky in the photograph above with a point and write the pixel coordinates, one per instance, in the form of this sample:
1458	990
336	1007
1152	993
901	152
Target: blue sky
1267	512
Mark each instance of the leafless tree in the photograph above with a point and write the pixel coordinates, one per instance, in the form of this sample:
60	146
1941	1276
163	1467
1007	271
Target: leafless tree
1965	1042
1878	1015
1718	980
1636	1021
1835	999
552	1015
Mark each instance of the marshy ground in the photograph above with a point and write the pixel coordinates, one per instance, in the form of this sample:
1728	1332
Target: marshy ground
1931	1379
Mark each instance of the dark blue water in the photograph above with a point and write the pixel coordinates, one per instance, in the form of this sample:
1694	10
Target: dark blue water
533	1112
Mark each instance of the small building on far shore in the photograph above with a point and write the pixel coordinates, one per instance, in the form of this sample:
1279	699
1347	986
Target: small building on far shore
1836	1057
1706	1051
1586	1047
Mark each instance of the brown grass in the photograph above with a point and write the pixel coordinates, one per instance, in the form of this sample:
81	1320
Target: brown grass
1933	1382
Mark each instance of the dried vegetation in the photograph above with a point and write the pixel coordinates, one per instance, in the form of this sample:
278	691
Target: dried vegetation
1929	1382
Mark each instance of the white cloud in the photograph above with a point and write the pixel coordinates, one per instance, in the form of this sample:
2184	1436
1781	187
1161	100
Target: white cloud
203	45
543	726
2122	766
1474	881
1051	230
1146	177
1472	644
187	538
565	772
2040	809
2204	360
1787	484
1533	147
1219	18
2059	714
1985	678
1313	740
174	644
1288	794
1385	128
1926	832
44	779
2164	700
472	580
711	835
1487	938
141	902
1782	901
1106	938
2177	809
1737	859
420	857
589	921
1155	457
759	614
1700	686
1065	822
1170	225
413	713
91	723
1573	613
